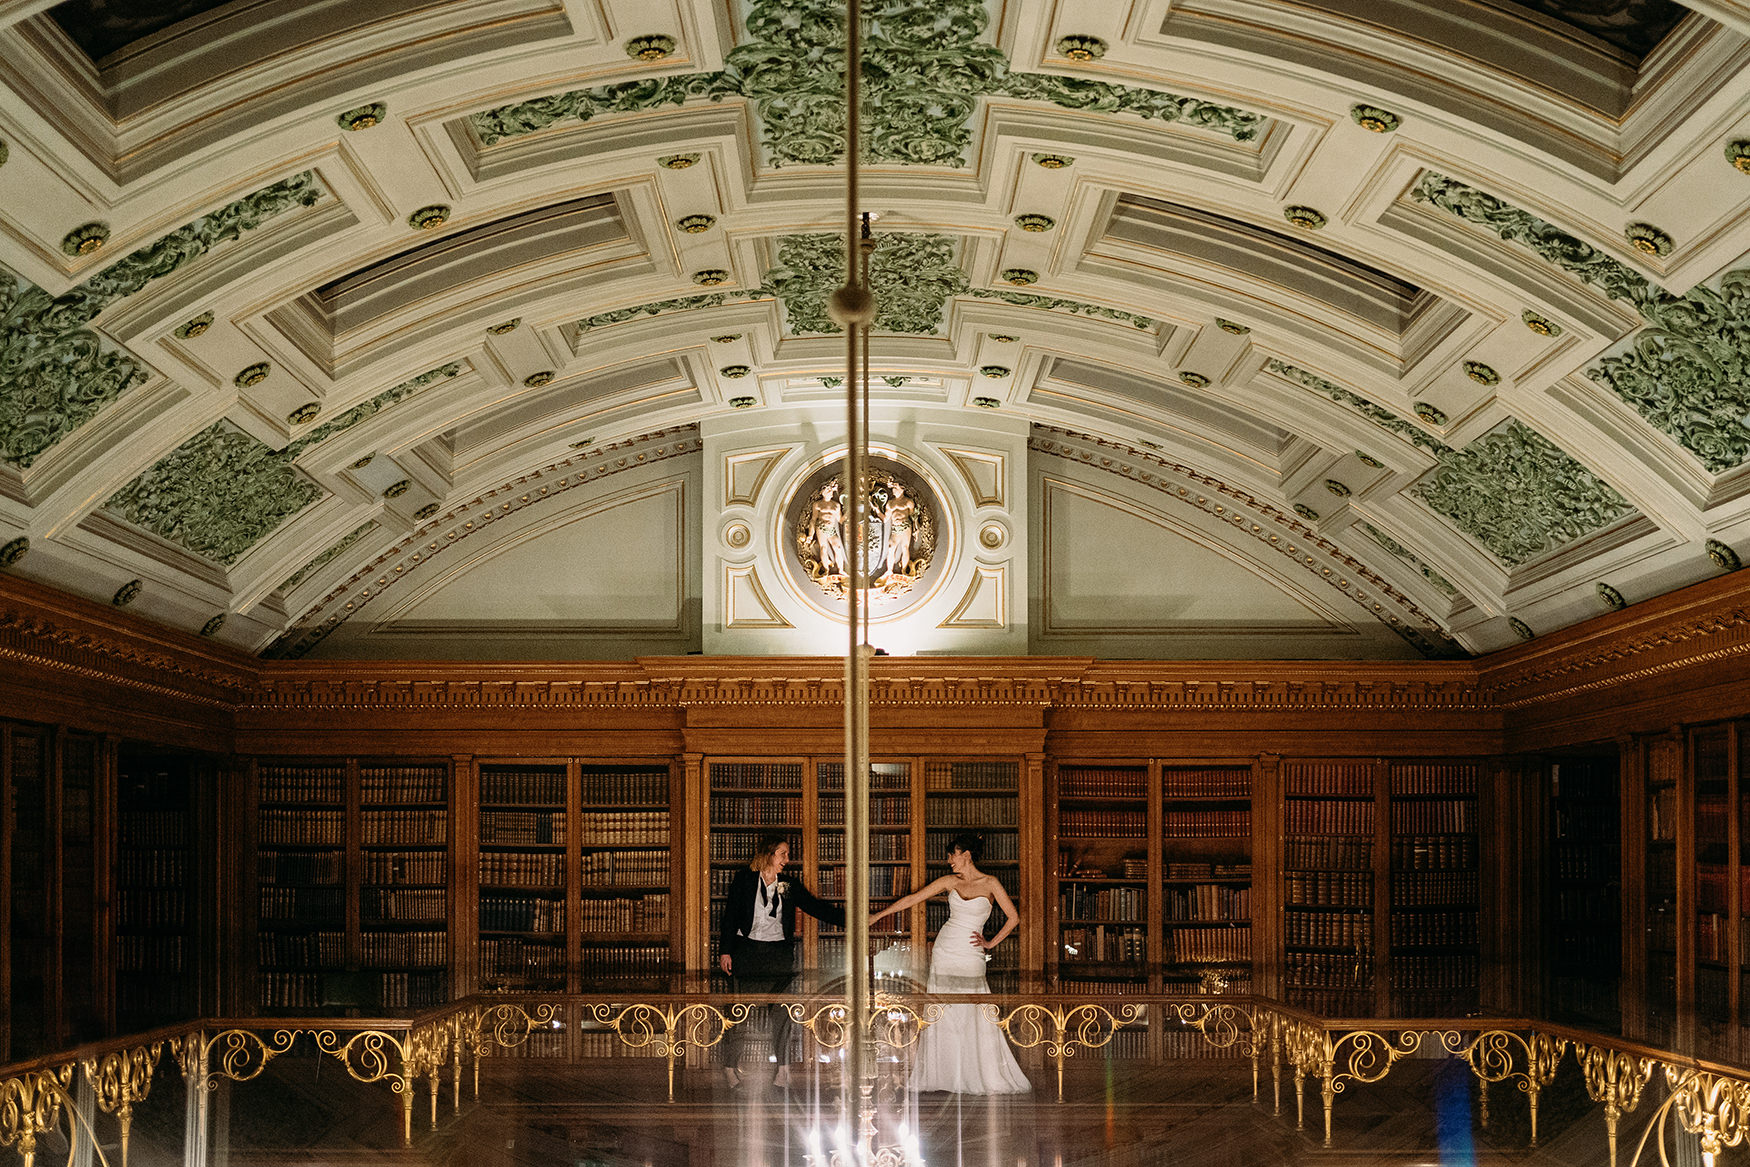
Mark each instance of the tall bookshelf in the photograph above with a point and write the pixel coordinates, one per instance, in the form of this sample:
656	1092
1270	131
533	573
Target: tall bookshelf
1100	883
1661	805
749	798
626	870
890	853
1330	827
981	796
1206	873
1585	877
30	964
301	882
155	905
524	877
404	888
1716	954
1434	888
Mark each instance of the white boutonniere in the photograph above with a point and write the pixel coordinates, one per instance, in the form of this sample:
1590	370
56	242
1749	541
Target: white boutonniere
782	887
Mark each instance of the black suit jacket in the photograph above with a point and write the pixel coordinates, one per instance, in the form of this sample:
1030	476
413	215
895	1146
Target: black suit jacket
738	909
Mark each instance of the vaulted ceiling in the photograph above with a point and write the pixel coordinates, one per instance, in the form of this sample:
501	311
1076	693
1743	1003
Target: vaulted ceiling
1438	309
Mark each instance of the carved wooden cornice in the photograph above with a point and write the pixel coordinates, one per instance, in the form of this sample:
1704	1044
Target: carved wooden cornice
60	633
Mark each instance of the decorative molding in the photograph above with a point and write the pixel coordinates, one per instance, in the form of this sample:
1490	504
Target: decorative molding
913	277
1378	414
746	604
1520	496
1408	556
745	474
985	473
324	559
986	602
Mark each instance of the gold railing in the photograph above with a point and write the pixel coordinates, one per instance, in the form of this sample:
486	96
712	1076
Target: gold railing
1708	1100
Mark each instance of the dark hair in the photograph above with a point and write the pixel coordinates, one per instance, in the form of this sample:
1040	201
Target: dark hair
763	853
969	842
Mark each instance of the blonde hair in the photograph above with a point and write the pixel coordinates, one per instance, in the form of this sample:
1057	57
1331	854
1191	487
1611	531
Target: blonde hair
762	855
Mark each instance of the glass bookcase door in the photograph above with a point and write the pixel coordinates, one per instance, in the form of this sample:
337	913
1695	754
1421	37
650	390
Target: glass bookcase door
523	877
1102	875
1660	883
1329	826
1715	961
1434	888
1206	875
1585	874
404	886
301	832
154	873
623	854
981	796
890	829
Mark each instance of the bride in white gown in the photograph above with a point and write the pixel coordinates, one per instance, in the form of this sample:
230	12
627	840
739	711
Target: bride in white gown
964	1051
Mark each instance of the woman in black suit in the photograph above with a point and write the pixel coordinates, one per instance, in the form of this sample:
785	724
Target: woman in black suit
757	945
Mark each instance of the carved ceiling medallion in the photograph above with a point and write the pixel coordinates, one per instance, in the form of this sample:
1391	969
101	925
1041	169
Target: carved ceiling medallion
902	527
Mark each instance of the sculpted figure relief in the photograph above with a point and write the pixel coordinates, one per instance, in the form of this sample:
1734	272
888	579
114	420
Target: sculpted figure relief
896	527
826	517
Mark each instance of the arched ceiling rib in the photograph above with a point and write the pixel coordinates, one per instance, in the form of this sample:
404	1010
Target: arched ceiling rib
1470	321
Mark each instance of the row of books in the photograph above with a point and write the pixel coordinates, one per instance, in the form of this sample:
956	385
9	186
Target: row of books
1315	970
978	813
1662	813
623	828
298	867
1103	943
303	783
289	990
1209	945
305	905
999	847
883	776
543	786
152	828
1206	824
884	882
971	776
1457	816
756	776
1586	822
755	810
1434	853
413	990
1328	778
1711	939
1189	869
884	810
1713	819
1184	1045
402	827
1434	972
301	949
1102	782
151	868
1343	889
1103	824
400	904
405	949
542	1044
597	1045
1213	782
149	954
1586	862
522	868
892	847
522	827
1588	906
627	960
1078	902
1328	854
634	914
1425	889
1329	818
511	913
507	957
1332	1002
317	828
1433	929
649	787
1328	929
624	868
390	867
1207	901
1434	778
403	784
1713	884
150	907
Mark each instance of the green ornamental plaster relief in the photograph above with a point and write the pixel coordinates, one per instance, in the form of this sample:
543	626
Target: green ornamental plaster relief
1059	304
1519	495
1687	372
1408	556
913	278
1378	414
56	372
223	491
218	494
681	304
324	559
925	67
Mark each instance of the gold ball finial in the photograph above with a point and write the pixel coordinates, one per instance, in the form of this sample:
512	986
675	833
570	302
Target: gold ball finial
850	306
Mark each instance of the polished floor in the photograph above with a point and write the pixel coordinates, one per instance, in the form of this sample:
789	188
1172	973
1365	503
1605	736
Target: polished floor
1116	1113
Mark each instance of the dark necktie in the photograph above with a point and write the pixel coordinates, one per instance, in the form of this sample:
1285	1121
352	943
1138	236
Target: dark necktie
773	912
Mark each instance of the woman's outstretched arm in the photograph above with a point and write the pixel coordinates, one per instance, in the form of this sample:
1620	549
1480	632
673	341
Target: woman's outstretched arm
916	897
1008	907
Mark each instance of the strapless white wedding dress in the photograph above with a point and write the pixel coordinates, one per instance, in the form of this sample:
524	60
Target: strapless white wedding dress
964	1051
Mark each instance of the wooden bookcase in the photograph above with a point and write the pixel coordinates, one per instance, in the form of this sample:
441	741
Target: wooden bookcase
626	867
891	850
404	883
1584	876
1333	813
981	796
1434	888
157	901
526	810
1207	826
1100	883
304	829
